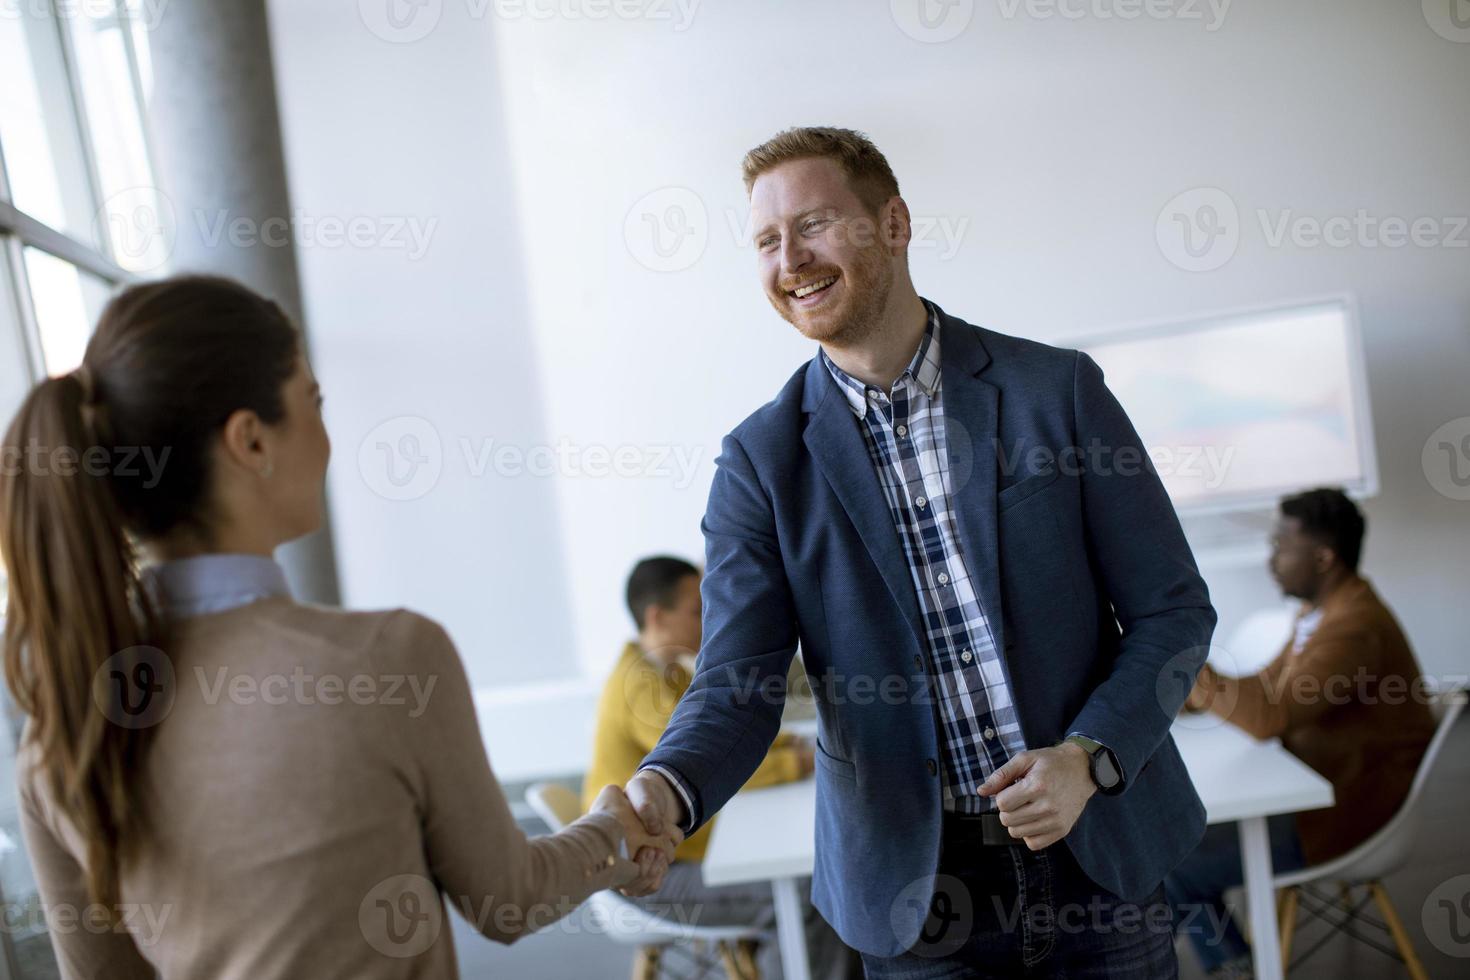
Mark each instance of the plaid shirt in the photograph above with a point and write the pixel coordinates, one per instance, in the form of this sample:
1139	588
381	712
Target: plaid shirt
904	432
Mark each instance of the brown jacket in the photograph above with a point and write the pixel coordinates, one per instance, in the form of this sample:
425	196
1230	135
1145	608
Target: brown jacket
1351	705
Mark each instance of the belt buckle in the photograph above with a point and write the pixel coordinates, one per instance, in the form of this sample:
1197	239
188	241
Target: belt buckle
996	833
993	833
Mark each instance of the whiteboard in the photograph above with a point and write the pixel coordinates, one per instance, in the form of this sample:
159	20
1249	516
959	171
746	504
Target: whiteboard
1237	410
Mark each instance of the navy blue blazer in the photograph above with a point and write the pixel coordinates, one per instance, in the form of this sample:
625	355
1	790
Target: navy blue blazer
1090	588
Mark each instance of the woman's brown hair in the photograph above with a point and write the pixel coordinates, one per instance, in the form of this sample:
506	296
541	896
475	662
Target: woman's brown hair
169	362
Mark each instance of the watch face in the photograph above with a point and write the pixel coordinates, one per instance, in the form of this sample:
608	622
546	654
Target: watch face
1104	771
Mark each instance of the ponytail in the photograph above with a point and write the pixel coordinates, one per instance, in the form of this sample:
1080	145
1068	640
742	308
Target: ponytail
75	602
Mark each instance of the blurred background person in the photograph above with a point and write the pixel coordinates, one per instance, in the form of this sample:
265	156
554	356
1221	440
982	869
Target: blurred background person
651	675
1345	695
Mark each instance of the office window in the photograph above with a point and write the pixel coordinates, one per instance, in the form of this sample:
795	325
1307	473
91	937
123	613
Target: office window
67	302
110	82
75	171
39	132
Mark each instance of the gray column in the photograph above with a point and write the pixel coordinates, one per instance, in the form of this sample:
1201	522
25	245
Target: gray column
218	139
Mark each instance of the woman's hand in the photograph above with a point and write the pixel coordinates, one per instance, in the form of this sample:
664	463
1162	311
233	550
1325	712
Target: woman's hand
651	853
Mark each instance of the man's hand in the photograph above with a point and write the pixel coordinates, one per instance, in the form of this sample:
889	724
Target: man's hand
1041	792
658	809
651	853
1206	689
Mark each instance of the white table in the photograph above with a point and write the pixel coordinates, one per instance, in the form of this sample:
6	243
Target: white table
1237	777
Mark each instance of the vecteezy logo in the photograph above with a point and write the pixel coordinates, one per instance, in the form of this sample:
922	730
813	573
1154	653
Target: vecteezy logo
932	21
1177	679
1446	459
134	688
141	225
401	459
1199	229
651	704
401	916
946	915
1450	19
400	21
1446	917
667	230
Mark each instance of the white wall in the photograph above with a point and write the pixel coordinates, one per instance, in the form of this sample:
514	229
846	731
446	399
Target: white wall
415	132
1049	145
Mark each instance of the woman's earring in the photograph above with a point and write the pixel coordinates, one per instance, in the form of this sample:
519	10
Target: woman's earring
268	469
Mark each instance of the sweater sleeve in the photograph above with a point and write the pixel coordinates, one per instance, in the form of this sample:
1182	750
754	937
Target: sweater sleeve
507	884
85	945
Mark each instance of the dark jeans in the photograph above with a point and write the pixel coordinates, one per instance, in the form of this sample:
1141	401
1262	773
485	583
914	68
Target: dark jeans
1196	888
1011	912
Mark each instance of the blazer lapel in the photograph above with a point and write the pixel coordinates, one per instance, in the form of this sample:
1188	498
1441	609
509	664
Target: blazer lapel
837	445
971	425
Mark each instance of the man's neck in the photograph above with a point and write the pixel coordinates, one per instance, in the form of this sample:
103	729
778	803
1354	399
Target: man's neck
656	650
1329	587
885	353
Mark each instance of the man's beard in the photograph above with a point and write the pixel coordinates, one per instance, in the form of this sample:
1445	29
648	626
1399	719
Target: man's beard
867	285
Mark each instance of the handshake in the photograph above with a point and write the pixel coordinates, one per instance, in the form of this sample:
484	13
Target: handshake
649	813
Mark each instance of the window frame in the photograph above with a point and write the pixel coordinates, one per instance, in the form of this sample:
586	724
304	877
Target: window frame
19	230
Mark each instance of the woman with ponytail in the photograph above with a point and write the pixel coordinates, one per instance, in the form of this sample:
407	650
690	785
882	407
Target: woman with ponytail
217	781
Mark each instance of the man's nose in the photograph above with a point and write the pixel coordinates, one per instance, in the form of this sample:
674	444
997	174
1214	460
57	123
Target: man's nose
795	255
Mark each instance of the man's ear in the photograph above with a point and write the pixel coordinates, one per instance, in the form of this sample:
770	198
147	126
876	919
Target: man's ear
895	225
652	617
242	440
1326	558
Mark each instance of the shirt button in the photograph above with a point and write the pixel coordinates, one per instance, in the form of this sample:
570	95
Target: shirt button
989	733
919	663
943	578
921	502
873	393
929	764
967	656
903	430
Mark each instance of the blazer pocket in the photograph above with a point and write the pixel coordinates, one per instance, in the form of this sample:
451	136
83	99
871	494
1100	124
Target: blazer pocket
834	765
1017	492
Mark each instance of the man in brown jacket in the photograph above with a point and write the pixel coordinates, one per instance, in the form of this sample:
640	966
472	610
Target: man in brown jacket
1344	695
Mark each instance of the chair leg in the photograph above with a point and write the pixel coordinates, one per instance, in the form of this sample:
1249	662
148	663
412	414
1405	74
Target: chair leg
645	963
1400	936
1287	906
727	957
745	953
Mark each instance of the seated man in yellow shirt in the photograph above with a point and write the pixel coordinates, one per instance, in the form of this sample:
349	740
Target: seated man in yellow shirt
651	675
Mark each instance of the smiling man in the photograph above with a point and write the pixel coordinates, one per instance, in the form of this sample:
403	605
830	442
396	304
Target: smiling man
994	640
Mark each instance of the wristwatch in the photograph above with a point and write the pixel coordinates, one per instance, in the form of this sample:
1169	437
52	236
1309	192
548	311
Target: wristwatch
1105	771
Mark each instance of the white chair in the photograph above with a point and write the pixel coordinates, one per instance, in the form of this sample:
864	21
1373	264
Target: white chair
1367	865
628	923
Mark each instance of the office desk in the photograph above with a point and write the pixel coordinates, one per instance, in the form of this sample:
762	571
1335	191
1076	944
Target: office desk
769	834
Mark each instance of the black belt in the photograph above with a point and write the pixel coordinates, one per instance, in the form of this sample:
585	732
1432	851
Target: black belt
983	828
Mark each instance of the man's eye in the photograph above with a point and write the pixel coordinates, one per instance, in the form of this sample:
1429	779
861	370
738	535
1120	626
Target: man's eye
767	242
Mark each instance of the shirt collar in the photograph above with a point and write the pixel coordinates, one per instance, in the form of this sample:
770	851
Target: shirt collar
213	583
923	368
